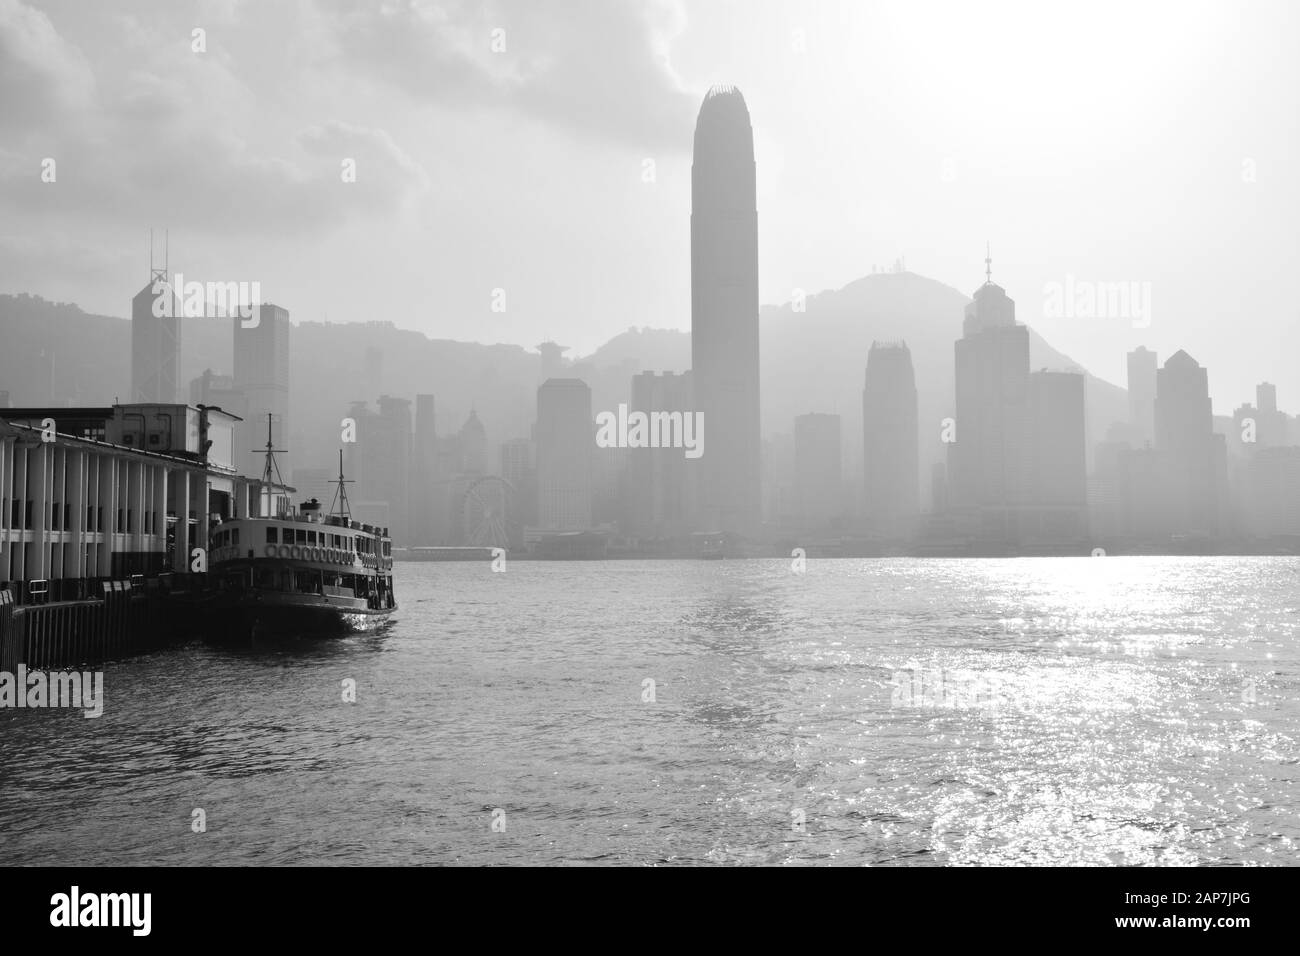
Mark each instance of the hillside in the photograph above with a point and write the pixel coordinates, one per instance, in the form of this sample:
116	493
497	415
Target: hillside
811	361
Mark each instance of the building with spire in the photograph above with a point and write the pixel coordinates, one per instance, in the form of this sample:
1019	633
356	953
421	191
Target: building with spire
1018	466
155	339
988	462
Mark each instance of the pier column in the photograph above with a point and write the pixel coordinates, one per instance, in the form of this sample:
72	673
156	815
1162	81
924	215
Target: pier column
182	520
200	480
106	513
159	525
6	493
39	478
74	554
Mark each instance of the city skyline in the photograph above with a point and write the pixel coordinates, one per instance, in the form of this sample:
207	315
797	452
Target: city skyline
1027	175
651	433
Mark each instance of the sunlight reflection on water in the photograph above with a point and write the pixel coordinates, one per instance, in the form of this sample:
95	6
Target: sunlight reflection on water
894	712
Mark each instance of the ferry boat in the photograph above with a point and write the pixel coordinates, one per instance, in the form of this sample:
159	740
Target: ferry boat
298	571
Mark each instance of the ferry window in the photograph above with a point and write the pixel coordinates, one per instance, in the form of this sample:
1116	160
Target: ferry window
301	536
234	536
311	537
272	536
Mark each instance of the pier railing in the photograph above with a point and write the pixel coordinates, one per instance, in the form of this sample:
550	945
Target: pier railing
70	623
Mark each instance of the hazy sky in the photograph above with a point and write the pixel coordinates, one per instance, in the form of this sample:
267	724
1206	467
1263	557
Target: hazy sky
1127	142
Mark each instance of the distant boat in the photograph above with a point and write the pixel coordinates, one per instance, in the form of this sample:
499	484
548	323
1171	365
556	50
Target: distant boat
298	572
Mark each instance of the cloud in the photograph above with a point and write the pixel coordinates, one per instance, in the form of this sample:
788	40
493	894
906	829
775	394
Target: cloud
598	67
169	136
40	73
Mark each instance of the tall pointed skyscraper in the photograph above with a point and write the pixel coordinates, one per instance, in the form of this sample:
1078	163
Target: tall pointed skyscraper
155	339
724	313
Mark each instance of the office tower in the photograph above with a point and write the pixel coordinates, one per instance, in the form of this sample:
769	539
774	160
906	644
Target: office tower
1195	458
517	456
1142	393
262	375
988	463
552	360
155	344
424	492
658	479
1058	472
818	468
1270	427
517	460
1272	501
380	463
565	439
890	441
473	446
724	313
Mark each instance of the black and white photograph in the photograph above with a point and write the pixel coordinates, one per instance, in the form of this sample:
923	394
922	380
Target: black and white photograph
630	434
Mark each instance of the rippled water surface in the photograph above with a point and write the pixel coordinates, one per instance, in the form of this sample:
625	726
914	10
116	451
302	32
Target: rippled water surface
892	712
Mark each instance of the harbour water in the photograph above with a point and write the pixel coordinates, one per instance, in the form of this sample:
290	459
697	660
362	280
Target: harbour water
1138	711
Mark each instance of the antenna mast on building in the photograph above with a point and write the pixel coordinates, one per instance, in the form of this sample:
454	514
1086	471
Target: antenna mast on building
157	275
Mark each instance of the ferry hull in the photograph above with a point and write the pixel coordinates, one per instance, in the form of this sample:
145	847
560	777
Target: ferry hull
269	615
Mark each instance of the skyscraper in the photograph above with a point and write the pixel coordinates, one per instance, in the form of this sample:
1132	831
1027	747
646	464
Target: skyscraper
262	375
155	345
473	445
988	462
889	439
425	494
380	463
724	313
1057	488
1195	457
1142	393
566	438
1270	427
658	488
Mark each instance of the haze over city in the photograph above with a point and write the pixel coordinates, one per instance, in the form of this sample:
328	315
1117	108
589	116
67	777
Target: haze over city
505	146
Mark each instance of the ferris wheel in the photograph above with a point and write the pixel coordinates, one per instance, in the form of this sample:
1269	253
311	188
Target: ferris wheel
487	508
